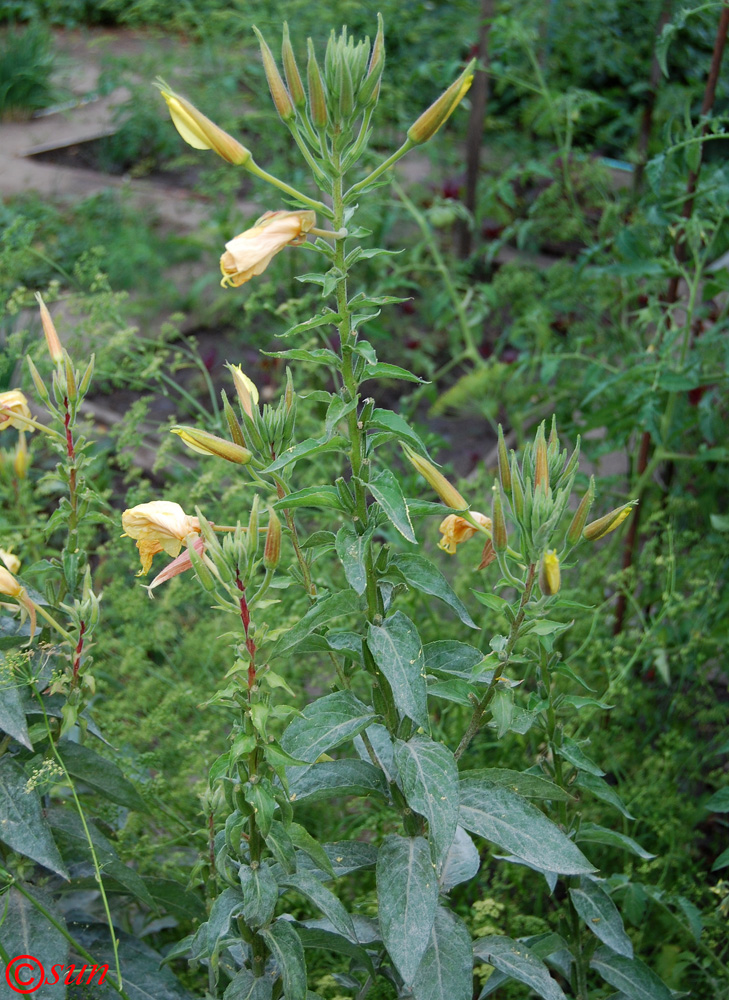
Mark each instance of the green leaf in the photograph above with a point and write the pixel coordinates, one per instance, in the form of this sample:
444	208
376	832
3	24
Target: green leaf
287	952
174	898
601	790
518	962
260	796
245	986
591	833
100	774
308	448
324	900
530	786
722	861
397	651
327	318
629	975
448	657
461	863
428	777
572	753
227	905
22	825
25	931
502	709
386	490
321	934
421	574
140	964
319	356
260	894
336	777
352	549
323	611
393	425
281	846
12	714
326	723
456	690
601	916
303	840
347	856
336	412
407	895
383	370
719	801
492	601
446	969
508	820
321	497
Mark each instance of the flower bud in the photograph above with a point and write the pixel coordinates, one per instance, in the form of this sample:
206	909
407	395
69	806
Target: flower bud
9	586
445	490
71	388
504	468
87	376
609	522
272	548
370	89
317	94
279	93
236	431
574	532
40	386
541	468
293	77
210	444
245	388
517	490
199	132
54	344
440	111
21	461
499	536
549	574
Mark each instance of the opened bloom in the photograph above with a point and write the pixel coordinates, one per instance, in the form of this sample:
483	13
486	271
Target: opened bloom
10	587
456	529
13	405
159	526
250	253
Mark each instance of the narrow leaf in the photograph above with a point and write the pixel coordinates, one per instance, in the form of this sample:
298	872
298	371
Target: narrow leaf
421	574
100	774
288	953
629	975
518	962
592	833
461	863
260	894
323	611
398	653
407	894
428	777
335	778
324	900
326	723
601	916
22	826
446	969
386	490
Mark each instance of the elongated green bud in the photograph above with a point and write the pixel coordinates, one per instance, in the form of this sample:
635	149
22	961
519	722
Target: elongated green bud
272	548
40	386
236	431
253	526
504	469
293	77
440	111
577	526
609	522
71	388
317	94
87	376
517	490
210	444
541	467
279	93
499	536
345	494
201	569
346	93
445	490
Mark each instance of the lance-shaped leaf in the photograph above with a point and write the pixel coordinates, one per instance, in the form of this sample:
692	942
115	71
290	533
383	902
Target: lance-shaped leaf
352	550
324	900
530	786
407	894
629	975
309	448
398	653
508	820
461	862
100	774
26	931
260	894
593	833
449	658
518	962
428	777
345	603
326	723
446	969
22	826
385	488
288	953
12	715
421	574
245	986
601	915
336	777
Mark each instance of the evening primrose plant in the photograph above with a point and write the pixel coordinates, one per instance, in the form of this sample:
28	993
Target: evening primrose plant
371	737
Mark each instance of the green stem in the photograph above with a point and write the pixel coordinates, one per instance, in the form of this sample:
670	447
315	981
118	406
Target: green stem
480	709
318	206
378	171
52	621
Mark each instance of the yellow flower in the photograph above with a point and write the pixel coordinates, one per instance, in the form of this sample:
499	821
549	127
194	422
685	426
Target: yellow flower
251	252
13	404
609	522
456	529
199	132
10	587
159	526
550	578
245	388
440	111
10	561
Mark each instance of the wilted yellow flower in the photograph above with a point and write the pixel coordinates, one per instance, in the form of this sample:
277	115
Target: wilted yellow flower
440	111
246	389
158	526
13	404
9	560
10	587
550	578
250	253
456	529
199	132
445	489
